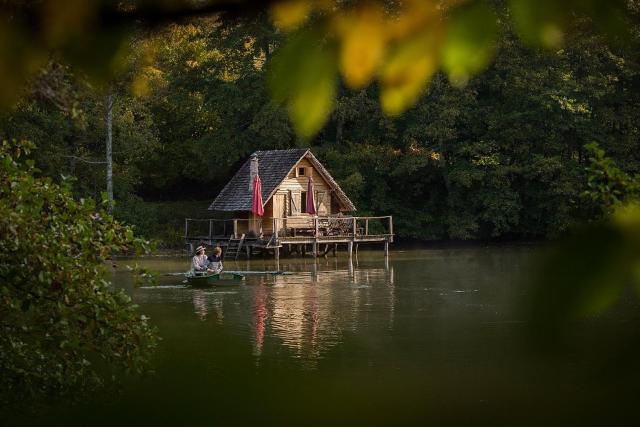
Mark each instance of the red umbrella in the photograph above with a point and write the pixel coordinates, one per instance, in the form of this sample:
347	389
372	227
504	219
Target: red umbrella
256	202
311	200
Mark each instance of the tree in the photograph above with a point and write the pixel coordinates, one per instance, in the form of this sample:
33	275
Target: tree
64	328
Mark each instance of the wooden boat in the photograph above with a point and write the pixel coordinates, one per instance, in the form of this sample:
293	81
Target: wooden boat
214	279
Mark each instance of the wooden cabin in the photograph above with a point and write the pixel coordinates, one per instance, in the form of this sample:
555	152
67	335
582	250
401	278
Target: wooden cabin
285	175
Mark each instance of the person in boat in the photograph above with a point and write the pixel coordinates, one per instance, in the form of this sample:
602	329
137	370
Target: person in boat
199	262
215	260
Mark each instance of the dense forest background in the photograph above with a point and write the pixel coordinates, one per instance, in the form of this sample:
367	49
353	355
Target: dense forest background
502	158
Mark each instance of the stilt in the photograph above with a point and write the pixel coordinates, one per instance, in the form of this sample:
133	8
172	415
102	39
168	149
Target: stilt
350	249
315	249
326	250
335	249
248	252
357	246
386	249
276	251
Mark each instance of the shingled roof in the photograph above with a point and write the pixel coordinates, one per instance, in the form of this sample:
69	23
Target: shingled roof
273	168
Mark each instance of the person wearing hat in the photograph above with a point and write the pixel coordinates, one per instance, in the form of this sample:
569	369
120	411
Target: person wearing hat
199	263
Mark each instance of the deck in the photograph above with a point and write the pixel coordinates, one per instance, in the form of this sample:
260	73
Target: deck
291	232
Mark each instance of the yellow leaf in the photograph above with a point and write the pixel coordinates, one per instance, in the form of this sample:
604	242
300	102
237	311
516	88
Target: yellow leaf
290	14
407	71
413	17
64	22
363	45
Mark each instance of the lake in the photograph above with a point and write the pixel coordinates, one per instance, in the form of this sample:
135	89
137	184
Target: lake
426	337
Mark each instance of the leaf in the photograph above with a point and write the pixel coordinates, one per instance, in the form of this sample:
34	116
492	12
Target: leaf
363	45
407	71
303	75
540	22
581	275
470	42
290	14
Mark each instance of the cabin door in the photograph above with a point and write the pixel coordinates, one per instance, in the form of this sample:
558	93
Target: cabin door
279	210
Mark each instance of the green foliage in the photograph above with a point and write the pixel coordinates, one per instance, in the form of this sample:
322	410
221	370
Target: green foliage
401	44
608	186
500	158
306	83
585	273
64	328
470	42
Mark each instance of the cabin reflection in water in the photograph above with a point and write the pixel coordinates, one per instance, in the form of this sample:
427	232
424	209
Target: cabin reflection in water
308	312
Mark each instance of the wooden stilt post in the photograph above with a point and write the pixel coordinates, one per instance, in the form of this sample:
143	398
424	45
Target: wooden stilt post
335	249
277	253
386	248
315	249
350	249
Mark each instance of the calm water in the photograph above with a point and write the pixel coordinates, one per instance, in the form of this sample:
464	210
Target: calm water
429	337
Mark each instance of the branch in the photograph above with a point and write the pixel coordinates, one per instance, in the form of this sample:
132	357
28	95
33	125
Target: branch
84	160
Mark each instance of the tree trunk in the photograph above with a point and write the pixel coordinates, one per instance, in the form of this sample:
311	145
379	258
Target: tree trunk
109	142
339	127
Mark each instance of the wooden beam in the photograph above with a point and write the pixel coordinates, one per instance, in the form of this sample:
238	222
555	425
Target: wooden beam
350	249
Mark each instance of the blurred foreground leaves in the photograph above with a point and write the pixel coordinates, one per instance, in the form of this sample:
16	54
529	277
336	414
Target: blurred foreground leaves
63	328
401	44
585	273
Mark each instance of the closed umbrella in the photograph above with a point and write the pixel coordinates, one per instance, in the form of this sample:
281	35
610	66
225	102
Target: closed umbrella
256	200
311	200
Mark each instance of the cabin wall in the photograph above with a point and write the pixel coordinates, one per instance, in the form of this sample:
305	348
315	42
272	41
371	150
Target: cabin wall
295	184
288	201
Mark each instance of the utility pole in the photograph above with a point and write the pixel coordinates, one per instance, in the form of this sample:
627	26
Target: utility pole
109	143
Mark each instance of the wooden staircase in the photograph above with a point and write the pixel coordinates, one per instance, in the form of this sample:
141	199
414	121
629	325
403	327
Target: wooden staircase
233	248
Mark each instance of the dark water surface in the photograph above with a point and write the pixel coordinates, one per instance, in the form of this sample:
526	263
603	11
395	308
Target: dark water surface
431	337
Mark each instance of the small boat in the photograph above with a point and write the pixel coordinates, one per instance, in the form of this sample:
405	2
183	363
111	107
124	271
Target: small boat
214	279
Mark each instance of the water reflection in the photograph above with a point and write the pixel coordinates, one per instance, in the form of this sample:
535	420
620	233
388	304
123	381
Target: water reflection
310	312
305	312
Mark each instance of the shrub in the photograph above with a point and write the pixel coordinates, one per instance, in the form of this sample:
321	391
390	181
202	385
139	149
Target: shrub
63	327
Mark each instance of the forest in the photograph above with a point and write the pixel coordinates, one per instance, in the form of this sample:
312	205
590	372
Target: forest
480	121
502	157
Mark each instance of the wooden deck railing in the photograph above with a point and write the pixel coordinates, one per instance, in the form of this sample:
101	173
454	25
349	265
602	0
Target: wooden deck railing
293	226
212	228
319	226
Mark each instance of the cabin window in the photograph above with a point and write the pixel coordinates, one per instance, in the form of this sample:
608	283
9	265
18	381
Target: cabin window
303	202
301	171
